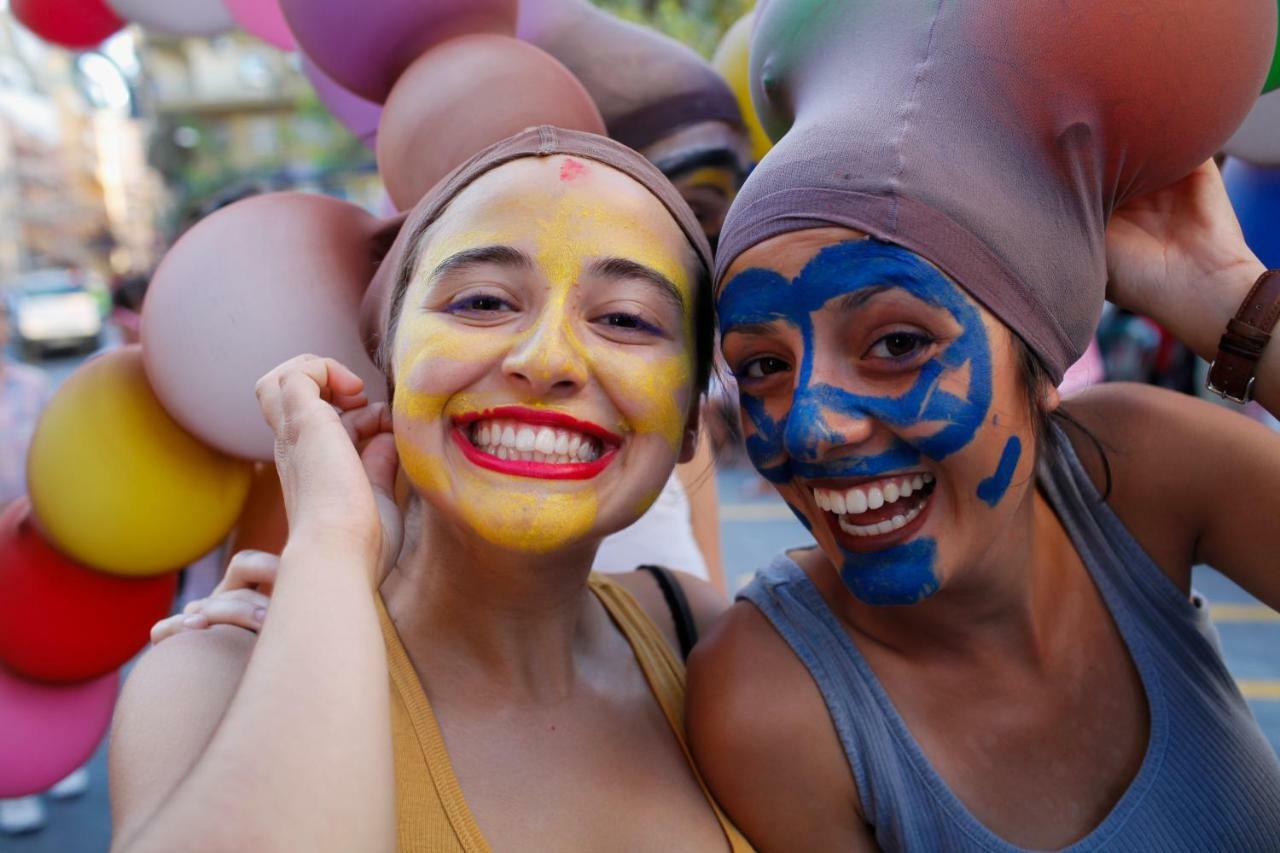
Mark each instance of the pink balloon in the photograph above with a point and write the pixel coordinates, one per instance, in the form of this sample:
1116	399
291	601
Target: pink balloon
48	730
365	45
247	288
262	18
353	112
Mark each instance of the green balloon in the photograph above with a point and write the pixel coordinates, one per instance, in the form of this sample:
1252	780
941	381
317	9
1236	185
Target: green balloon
1273	78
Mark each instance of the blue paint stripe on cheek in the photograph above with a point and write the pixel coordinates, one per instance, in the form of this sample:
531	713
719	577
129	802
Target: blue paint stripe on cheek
992	489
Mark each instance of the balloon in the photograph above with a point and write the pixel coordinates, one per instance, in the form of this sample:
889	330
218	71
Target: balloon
1258	139
1255	194
262	18
732	60
353	112
70	23
365	46
249	287
177	17
62	622
117	485
48	730
479	89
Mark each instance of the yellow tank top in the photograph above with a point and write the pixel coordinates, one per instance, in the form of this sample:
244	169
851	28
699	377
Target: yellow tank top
432	815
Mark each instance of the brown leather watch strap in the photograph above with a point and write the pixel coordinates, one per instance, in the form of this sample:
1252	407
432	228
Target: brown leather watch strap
1247	334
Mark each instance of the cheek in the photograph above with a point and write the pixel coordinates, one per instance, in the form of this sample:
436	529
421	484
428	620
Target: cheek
653	392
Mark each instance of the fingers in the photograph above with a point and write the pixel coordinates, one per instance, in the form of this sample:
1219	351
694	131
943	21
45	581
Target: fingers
245	608
301	381
242	607
381	463
250	569
366	422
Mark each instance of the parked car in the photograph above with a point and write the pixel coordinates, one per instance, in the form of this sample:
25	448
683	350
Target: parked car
52	310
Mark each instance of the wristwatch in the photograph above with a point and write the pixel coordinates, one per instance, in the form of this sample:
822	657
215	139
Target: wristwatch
1231	374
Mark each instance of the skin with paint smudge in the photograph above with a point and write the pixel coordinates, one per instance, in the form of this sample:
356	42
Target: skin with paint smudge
574	296
860	364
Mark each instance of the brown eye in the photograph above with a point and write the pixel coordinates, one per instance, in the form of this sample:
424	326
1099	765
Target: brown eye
759	368
899	346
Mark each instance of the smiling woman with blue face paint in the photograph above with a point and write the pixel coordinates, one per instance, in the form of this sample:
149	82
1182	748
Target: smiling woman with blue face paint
994	645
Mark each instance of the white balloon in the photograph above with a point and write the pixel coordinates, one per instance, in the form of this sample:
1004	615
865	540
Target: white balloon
1258	139
176	17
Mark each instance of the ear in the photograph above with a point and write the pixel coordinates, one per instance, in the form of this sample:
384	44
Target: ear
689	445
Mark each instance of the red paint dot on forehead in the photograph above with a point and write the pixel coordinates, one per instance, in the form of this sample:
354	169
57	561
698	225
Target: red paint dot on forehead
572	169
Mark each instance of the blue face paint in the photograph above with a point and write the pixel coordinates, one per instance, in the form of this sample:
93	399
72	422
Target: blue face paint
791	447
993	488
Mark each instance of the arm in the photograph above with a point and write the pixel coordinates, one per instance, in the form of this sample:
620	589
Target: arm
1178	256
763	741
301	757
1193	482
698	476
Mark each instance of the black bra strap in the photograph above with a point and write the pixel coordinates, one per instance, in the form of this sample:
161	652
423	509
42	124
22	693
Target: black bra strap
673	593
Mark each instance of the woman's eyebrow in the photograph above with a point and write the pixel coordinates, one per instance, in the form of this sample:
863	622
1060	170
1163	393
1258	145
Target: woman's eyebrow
504	256
624	268
855	300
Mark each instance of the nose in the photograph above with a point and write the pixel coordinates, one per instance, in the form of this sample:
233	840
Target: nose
548	361
824	419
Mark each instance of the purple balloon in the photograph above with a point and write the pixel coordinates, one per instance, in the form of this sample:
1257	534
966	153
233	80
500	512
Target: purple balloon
357	115
365	46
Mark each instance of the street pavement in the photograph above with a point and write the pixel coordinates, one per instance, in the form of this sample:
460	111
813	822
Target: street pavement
755	525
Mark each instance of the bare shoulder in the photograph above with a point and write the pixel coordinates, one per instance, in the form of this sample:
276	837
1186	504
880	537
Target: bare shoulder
760	734
1174	461
706	603
170	707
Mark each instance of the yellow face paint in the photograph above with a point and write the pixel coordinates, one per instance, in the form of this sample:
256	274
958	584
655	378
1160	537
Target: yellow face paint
552	347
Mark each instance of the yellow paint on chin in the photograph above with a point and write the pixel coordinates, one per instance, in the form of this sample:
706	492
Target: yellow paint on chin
568	234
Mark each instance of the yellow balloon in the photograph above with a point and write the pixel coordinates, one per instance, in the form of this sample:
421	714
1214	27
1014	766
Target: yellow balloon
115	482
732	60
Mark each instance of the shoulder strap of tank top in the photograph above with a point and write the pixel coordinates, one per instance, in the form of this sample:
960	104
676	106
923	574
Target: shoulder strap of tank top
665	675
678	604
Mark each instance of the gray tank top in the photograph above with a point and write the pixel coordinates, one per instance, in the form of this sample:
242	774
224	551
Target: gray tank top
1209	780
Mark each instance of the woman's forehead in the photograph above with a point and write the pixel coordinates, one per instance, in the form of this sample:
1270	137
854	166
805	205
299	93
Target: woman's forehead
788	254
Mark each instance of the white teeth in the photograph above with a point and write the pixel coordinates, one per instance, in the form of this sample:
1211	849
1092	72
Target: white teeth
890	492
906	488
875	498
896	523
917	483
823	499
856	501
927	478
509	439
545	441
837	503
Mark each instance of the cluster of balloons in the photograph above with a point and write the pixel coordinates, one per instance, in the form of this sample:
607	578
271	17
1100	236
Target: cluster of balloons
121	497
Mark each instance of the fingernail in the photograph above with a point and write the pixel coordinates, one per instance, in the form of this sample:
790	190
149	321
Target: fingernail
259	614
192	607
196	620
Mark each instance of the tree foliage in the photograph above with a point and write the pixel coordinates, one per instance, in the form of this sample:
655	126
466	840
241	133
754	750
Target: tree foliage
697	23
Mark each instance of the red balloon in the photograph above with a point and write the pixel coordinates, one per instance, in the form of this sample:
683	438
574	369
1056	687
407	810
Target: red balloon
70	23
60	622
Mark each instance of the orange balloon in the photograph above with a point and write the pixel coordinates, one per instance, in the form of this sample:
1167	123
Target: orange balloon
464	95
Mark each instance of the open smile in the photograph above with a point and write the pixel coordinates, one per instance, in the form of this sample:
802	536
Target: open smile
537	443
878	513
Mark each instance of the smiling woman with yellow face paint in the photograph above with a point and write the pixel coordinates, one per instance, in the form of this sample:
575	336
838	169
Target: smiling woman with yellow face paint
542	318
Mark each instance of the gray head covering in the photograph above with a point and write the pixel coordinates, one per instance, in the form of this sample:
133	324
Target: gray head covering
646	84
993	137
382	299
